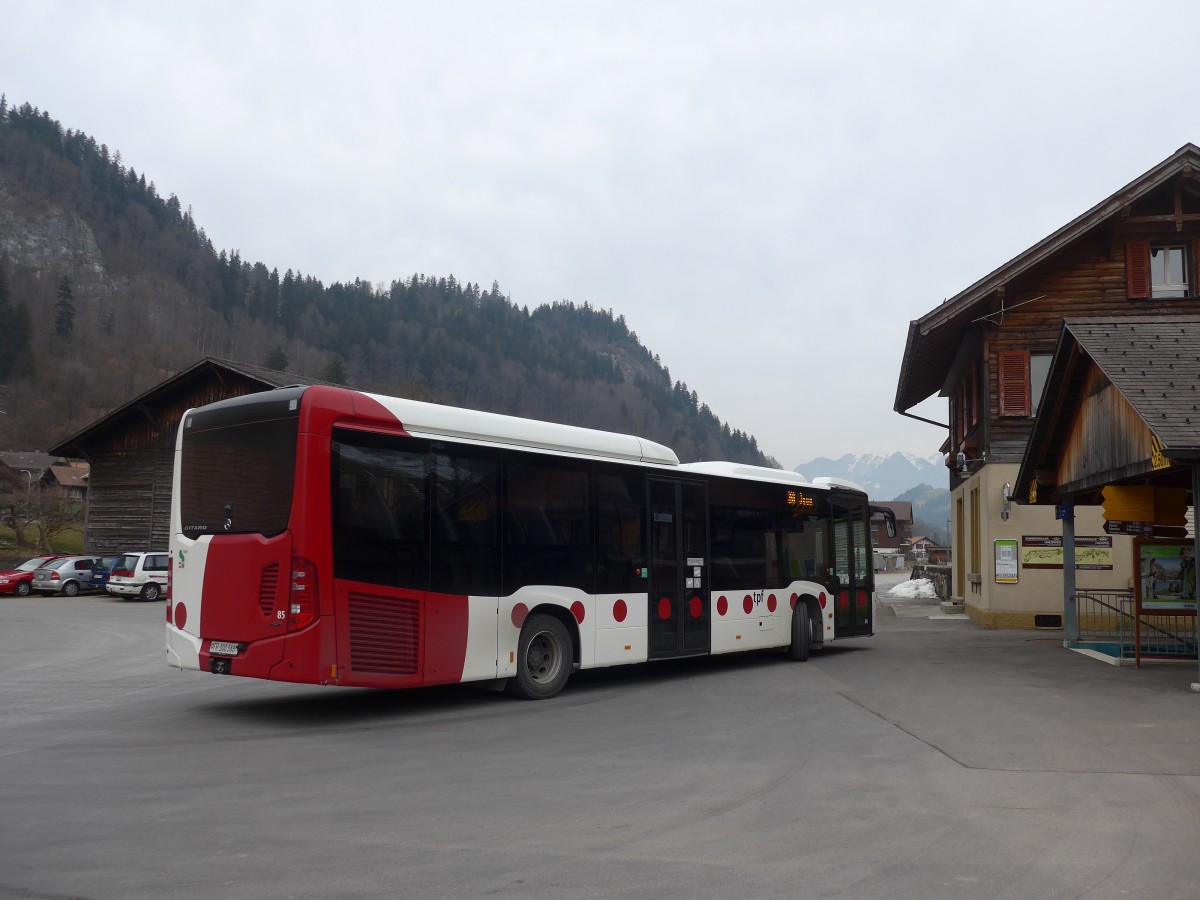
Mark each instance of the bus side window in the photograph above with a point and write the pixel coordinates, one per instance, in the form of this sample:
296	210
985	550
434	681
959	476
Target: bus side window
548	536
378	510
620	513
465	549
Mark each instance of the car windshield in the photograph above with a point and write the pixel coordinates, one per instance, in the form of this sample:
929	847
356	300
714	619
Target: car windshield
30	564
57	563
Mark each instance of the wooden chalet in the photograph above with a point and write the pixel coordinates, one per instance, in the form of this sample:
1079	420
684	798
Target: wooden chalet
989	351
131	452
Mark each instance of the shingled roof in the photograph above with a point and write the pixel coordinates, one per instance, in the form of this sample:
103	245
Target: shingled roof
223	370
1153	361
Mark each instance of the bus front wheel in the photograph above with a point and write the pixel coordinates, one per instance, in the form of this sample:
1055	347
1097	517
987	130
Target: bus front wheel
544	659
801	634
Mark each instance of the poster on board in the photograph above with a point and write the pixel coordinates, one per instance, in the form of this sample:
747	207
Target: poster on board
1165	576
1007	562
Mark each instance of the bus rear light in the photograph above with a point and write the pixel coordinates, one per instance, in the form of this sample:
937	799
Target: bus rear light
302	593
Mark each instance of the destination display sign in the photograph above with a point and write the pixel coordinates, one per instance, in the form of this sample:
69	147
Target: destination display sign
1138	529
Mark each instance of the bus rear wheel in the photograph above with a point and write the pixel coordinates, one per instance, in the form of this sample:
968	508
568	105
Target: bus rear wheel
801	634
544	659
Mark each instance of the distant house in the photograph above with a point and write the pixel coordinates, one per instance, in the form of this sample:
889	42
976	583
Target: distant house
131	451
24	469
71	479
989	351
904	526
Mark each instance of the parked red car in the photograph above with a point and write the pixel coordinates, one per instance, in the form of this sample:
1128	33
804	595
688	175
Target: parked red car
19	581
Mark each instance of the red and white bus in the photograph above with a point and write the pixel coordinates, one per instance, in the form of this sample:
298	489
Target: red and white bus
326	536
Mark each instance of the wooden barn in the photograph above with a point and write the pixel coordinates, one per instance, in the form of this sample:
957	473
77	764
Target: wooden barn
131	452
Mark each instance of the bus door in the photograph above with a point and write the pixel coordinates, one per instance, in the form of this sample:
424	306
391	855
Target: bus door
852	568
678	592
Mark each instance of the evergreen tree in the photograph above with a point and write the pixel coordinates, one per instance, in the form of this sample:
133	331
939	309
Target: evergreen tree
14	330
64	309
334	370
276	360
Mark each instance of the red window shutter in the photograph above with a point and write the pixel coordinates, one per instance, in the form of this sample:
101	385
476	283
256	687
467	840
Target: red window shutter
1014	382
1137	270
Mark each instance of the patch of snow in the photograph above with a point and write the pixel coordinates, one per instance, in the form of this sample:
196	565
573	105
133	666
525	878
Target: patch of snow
914	589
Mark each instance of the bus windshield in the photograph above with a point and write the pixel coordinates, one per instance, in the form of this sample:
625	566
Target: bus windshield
238	466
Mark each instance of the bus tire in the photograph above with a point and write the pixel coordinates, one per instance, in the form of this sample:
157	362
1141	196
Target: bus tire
801	634
544	659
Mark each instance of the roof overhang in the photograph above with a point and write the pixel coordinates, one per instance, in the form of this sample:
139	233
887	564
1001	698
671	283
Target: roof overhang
934	339
1154	363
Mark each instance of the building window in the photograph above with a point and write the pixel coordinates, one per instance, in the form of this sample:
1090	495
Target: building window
1039	371
1168	271
1156	270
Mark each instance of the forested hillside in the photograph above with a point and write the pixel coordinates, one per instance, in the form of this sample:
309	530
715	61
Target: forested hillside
107	288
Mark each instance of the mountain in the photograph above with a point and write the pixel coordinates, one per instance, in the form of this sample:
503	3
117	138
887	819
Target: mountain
931	512
107	288
884	477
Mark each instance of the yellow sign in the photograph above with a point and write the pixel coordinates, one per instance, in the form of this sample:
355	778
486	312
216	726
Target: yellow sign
1128	503
1158	459
1033	491
1141	503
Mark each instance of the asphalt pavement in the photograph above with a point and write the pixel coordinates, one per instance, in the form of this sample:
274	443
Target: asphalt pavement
934	759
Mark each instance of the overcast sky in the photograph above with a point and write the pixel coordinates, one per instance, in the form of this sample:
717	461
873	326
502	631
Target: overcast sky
768	192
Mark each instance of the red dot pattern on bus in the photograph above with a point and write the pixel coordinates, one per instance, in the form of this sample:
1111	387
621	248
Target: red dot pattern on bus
664	609
519	612
823	600
180	615
620	610
722	605
844	599
771	603
695	607
748	604
795	597
578	611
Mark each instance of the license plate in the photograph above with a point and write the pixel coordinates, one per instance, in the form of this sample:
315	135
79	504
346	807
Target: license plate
223	648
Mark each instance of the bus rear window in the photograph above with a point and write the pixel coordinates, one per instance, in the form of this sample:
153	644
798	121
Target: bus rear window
237	478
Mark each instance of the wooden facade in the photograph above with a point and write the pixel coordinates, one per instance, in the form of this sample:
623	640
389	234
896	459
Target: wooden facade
1096	266
1107	436
131	452
989	351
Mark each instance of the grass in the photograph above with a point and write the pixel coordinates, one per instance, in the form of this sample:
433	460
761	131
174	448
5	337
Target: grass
70	540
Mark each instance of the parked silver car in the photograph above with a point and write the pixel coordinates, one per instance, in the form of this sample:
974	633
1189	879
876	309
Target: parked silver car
65	575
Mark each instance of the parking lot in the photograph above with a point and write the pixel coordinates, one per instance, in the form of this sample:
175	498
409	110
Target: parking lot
934	759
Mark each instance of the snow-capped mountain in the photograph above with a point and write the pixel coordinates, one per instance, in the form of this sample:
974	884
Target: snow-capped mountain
884	477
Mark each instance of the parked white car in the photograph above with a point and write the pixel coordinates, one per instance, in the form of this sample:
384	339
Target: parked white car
141	575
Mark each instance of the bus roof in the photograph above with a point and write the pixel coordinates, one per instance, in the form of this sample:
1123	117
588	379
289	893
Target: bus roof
763	473
422	419
754	473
